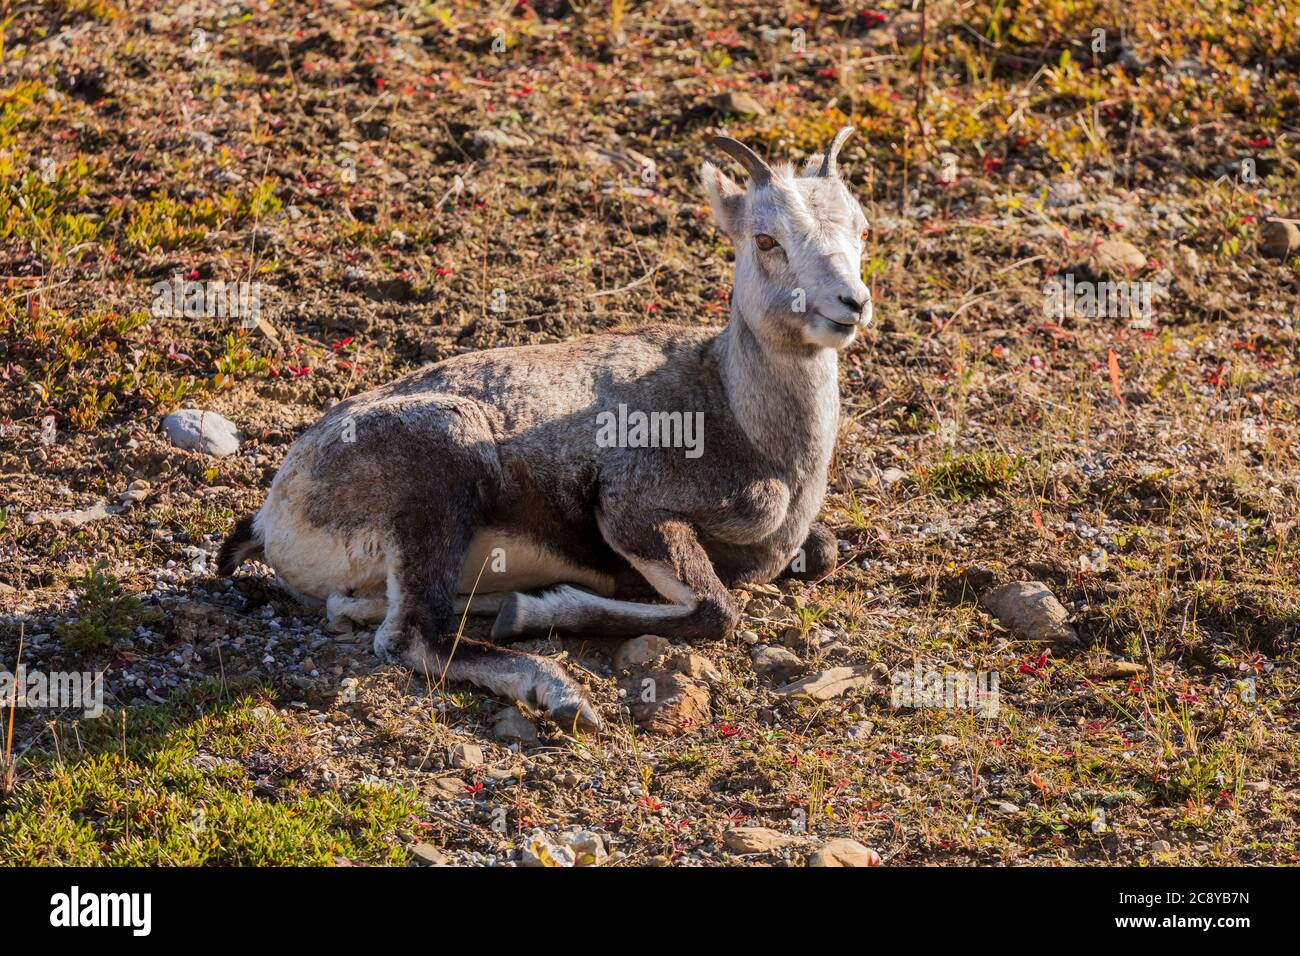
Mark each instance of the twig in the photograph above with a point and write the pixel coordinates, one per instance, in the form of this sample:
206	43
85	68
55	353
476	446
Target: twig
630	286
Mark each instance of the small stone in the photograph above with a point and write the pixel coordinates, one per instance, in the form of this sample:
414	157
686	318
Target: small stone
946	741
1118	670
832	683
466	756
1279	239
425	855
749	637
736	103
1004	807
1161	846
588	848
540	850
197	430
1117	257
72	519
777	663
138	490
489	138
860	730
858	479
511	724
697	667
757	839
447	788
844	852
666	701
1031	610
892	476
640	650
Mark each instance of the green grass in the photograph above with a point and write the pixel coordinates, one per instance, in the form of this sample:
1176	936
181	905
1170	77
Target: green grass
166	223
125	790
973	474
104	614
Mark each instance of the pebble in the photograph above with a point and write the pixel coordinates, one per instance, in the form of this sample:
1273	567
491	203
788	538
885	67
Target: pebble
832	683
1278	239
757	839
844	852
197	430
1031	610
511	724
737	103
1117	257
640	650
540	849
467	756
776	662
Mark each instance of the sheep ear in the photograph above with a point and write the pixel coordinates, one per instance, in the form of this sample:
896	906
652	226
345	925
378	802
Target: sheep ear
725	197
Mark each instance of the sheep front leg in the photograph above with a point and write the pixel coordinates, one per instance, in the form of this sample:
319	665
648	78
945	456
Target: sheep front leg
665	550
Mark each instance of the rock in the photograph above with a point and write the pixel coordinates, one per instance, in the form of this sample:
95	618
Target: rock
198	430
1279	239
757	839
892	476
844	853
1118	670
467	756
858	479
860	730
777	663
1117	257
488	138
447	788
832	683
624	159
1004	807
666	701
735	103
540	850
1031	610
588	848
1160	847
74	518
640	650
137	490
697	667
946	741
425	855
749	637
511	724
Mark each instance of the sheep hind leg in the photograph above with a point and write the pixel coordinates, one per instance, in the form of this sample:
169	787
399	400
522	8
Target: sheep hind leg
666	552
418	629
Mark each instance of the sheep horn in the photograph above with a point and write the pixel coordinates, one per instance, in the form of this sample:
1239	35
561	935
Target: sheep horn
833	150
760	174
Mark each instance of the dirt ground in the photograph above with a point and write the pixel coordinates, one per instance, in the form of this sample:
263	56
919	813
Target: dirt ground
410	181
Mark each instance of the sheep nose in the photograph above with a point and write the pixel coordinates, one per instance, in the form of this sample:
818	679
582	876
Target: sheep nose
853	304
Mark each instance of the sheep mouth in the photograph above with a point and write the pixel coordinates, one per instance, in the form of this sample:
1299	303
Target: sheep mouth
843	325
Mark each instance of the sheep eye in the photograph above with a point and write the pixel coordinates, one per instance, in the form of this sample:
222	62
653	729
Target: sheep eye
765	242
